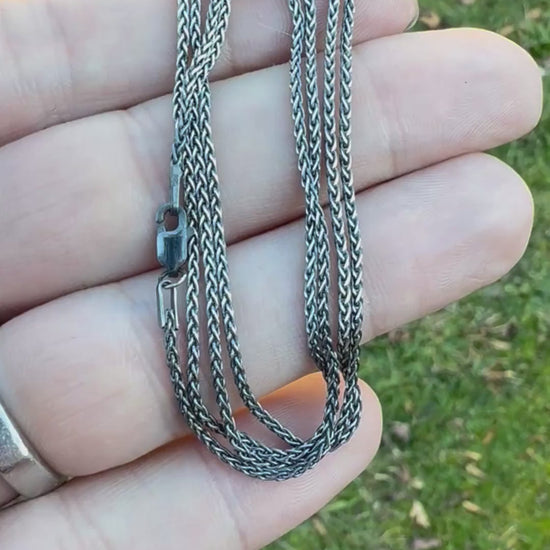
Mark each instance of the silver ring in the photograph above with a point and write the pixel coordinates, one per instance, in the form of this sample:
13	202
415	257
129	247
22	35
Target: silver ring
20	465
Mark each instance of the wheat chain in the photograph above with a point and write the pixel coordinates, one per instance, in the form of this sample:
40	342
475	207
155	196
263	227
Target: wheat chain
194	253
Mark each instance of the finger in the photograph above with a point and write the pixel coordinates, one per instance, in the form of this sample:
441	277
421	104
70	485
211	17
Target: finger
105	177
62	60
180	493
7	494
85	375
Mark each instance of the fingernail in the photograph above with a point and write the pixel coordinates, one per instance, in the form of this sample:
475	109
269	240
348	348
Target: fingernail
414	20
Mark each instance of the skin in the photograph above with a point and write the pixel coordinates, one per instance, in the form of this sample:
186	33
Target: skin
84	147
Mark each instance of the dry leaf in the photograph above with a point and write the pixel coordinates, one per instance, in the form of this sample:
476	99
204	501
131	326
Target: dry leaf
319	526
489	436
401	431
507	30
418	514
426	544
417	483
399	335
474	471
472	455
534	14
431	20
471	507
498	375
501	345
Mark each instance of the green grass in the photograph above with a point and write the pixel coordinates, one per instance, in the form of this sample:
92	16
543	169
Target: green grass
471	382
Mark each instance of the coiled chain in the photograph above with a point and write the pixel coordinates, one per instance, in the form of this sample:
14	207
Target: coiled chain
195	252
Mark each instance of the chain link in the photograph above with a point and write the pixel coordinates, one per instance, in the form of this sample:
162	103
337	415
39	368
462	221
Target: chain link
322	134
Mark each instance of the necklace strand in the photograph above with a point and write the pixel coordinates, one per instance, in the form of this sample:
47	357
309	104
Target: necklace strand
195	253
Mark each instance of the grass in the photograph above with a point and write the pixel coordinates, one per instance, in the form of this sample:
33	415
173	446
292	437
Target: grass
471	384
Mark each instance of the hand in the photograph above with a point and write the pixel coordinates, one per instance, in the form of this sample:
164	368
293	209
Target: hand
85	129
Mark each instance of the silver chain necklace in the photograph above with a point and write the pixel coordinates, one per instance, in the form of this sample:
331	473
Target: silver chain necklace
194	254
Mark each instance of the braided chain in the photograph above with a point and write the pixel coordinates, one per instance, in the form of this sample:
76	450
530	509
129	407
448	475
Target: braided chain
195	253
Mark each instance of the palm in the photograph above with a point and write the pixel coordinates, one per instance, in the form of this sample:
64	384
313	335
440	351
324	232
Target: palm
85	123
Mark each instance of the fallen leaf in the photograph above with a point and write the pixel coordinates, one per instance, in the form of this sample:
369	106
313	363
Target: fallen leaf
507	30
489	436
399	335
474	471
501	345
426	544
471	507
498	375
472	455
380	476
534	14
417	483
431	20
319	526
401	431
418	514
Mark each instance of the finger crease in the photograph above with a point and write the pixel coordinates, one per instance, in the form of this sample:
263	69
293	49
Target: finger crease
80	525
231	502
58	112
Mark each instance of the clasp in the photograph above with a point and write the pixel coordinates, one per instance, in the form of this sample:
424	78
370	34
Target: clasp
172	244
167	298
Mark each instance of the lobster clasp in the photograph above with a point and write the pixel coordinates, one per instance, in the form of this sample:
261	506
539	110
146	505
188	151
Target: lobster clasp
172	244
